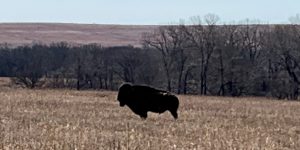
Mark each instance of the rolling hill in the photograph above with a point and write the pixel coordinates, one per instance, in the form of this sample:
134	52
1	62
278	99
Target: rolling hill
107	35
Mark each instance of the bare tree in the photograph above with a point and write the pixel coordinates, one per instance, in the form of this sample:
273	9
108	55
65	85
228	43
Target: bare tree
226	51
129	60
177	33
204	38
30	65
168	42
295	19
285	61
251	41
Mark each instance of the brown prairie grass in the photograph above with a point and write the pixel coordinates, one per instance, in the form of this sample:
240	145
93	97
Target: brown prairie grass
68	119
17	34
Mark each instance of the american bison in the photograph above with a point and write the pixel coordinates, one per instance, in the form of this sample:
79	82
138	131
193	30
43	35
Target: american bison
141	99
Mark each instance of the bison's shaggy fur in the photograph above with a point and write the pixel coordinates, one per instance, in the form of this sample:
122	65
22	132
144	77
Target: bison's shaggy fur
141	99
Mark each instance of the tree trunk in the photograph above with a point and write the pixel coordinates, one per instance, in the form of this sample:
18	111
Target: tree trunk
179	87
100	82
222	90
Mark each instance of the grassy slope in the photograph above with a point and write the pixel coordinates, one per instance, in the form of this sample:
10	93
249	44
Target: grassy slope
67	119
108	35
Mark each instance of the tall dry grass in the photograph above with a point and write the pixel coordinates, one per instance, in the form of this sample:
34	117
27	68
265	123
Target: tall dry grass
67	119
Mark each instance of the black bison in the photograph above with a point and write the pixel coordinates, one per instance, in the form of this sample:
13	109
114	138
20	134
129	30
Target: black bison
141	99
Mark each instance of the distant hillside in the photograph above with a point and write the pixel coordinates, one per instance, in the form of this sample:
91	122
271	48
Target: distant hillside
107	35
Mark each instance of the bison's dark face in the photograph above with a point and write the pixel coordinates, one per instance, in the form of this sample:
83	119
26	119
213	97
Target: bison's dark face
121	100
124	93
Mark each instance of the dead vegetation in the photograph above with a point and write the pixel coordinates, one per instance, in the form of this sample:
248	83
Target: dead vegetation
68	119
47	33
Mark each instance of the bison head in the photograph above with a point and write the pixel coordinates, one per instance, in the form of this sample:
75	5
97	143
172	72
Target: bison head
124	93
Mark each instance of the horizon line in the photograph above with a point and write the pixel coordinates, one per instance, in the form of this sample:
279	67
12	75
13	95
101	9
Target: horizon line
125	24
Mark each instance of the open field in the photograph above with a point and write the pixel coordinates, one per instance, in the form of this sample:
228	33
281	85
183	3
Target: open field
69	119
107	35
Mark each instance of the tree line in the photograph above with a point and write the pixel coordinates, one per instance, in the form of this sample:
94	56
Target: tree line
203	58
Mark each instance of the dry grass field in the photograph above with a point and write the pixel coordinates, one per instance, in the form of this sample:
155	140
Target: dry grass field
107	35
69	119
